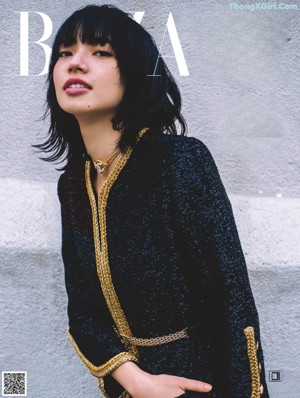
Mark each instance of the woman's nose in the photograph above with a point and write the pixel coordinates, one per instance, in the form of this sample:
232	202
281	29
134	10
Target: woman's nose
77	63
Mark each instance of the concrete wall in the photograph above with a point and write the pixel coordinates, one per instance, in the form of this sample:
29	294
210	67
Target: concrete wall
241	99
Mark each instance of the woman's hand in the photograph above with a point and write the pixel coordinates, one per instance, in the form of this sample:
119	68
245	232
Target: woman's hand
141	384
166	386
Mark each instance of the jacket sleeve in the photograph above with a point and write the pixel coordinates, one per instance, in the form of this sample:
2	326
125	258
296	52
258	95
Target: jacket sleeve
209	235
90	327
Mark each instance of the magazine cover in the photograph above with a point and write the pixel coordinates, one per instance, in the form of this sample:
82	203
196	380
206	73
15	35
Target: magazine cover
155	254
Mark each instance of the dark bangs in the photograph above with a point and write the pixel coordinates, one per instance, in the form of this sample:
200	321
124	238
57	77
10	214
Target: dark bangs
91	29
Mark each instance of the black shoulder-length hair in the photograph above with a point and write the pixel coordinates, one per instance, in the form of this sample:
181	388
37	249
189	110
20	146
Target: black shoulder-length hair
148	101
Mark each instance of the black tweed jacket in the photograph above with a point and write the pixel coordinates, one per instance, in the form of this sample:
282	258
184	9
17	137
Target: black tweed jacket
156	253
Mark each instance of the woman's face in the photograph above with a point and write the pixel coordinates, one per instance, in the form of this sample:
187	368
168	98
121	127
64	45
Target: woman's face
87	80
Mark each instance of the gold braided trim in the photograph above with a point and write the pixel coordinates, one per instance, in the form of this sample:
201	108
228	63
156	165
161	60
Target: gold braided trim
137	341
254	368
101	249
102	264
102	387
124	394
106	368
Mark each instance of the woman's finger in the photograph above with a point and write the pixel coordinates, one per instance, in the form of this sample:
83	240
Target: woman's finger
195	385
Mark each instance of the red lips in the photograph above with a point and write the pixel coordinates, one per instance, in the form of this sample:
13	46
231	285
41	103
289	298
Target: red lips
69	83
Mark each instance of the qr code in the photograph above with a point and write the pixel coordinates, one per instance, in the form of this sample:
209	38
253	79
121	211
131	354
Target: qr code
14	384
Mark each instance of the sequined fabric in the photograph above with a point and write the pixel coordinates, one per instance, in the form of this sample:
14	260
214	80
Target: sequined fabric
175	260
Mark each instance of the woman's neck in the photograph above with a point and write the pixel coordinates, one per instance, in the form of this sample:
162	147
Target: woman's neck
99	137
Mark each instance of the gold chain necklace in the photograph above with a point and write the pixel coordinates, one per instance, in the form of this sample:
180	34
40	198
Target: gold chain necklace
102	165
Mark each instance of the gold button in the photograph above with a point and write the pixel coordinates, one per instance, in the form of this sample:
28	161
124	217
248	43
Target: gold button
261	389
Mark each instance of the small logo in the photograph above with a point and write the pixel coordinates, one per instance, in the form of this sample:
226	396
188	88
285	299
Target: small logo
275	375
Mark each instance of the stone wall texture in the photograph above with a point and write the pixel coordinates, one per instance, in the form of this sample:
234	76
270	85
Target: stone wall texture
241	99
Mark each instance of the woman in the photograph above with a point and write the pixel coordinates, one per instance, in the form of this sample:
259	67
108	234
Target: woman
159	300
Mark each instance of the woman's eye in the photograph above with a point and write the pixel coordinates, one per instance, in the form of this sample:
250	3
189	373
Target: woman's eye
63	54
102	53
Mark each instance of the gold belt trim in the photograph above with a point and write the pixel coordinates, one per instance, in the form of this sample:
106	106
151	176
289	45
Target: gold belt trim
137	341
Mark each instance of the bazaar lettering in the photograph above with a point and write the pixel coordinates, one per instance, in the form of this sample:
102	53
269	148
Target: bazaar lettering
48	28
